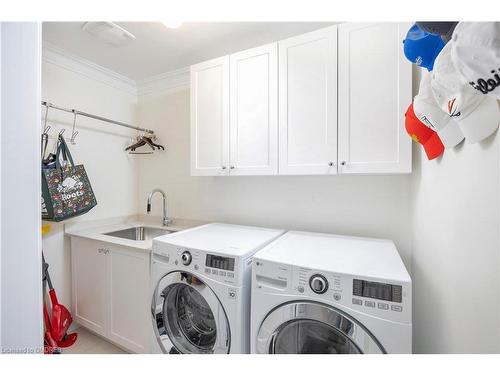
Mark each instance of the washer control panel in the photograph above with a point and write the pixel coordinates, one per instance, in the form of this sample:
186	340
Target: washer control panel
214	266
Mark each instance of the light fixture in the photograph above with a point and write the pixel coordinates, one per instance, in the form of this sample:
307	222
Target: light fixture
109	33
172	24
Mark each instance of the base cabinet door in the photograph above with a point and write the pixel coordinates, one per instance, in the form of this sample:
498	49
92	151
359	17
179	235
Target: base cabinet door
128	277
374	91
89	286
308	103
110	292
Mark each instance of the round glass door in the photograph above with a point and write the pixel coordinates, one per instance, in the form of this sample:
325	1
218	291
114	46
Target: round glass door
188	317
313	328
311	337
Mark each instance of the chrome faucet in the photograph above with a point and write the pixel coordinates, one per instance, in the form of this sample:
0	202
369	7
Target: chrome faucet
166	220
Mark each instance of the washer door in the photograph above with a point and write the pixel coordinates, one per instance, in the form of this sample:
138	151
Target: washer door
188	317
313	328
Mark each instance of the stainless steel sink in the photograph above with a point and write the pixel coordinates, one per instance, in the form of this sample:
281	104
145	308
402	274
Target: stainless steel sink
139	233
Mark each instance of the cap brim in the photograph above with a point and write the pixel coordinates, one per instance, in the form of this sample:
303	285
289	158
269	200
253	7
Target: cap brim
451	135
433	147
481	122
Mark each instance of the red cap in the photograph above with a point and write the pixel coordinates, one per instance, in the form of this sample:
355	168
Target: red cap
420	133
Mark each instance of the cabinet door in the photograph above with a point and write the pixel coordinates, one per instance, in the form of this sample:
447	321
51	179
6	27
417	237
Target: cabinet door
88	264
308	103
210	118
129	305
254	111
374	91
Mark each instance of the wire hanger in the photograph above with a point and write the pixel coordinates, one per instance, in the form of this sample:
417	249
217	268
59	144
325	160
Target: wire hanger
144	140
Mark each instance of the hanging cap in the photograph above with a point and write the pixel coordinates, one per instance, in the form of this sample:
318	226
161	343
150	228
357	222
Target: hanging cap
475	52
477	115
420	133
422	48
442	28
431	115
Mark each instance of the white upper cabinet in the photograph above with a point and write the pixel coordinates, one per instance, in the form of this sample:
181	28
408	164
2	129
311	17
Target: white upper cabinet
326	102
308	103
374	91
210	118
254	111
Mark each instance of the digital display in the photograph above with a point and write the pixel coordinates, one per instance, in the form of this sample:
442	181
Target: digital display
370	289
221	263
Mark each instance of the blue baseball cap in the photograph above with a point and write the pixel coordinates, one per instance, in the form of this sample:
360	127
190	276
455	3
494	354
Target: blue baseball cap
421	47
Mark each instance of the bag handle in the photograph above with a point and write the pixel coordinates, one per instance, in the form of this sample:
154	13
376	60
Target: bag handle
62	149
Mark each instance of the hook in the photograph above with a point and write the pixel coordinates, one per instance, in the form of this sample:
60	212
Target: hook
73	136
73	132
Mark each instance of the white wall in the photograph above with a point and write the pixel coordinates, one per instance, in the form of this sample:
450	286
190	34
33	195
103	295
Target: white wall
99	146
455	254
359	205
21	293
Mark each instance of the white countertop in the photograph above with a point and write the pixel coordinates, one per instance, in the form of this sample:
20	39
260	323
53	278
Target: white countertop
95	230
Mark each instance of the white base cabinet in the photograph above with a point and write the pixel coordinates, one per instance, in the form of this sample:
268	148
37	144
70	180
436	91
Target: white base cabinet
110	292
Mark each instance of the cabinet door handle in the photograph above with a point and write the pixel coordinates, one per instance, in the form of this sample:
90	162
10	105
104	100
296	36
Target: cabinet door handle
102	251
343	162
231	167
332	164
223	167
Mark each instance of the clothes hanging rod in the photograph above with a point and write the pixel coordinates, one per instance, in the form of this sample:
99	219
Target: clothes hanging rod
100	118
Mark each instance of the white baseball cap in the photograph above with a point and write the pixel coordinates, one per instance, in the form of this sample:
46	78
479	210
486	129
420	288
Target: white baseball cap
475	52
477	115
429	113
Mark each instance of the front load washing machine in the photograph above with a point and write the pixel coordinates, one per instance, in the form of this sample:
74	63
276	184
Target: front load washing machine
321	293
201	288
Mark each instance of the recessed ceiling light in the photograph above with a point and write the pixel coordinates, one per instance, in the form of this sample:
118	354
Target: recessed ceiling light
172	24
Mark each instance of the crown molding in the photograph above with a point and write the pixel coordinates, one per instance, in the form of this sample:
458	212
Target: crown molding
53	55
148	88
163	84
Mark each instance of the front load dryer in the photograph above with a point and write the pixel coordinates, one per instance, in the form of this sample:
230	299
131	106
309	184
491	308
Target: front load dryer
322	293
201	288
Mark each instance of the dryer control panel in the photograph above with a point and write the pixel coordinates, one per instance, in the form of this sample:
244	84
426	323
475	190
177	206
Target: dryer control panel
387	299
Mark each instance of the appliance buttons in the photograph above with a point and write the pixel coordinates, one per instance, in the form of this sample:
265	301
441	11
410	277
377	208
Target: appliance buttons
300	289
215	272
337	296
222	273
196	267
318	284
356	301
186	258
230	274
232	293
396	308
370	304
207	270
383	306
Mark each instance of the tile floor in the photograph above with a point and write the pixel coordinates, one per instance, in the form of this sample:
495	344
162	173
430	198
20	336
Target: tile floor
88	343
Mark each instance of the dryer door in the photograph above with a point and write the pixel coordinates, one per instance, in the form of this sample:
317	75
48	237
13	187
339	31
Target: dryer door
304	327
188	317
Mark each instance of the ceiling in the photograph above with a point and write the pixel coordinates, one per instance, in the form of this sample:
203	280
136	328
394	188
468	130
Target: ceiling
158	49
